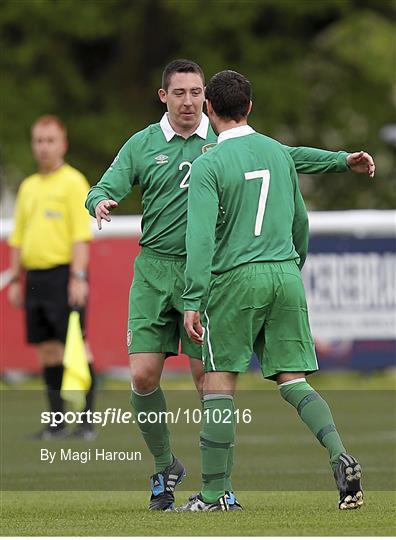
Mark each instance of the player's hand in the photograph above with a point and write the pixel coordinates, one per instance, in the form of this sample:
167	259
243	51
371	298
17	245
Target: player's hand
192	324
15	295
361	162
102	211
78	292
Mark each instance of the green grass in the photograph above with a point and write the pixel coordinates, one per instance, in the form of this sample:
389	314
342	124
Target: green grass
275	455
124	514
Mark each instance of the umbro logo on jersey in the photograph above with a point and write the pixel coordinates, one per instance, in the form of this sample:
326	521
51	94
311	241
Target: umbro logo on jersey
161	159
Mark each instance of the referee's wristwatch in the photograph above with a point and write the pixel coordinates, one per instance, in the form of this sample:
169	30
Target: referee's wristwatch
80	275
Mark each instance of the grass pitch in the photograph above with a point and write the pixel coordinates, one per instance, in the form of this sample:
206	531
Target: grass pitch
276	456
124	514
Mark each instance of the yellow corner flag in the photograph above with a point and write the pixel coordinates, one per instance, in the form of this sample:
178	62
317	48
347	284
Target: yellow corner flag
76	375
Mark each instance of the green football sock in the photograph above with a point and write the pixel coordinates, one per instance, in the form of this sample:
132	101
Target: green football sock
216	438
316	414
230	463
230	459
155	434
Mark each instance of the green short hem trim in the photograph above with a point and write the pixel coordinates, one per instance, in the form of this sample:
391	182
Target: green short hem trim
166	352
209	369
273	376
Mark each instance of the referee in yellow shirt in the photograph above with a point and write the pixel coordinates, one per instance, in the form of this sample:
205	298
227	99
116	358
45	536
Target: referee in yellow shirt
50	242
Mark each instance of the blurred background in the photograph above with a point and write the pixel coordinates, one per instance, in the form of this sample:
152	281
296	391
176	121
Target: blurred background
323	74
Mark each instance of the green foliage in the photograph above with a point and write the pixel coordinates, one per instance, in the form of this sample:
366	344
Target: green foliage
322	73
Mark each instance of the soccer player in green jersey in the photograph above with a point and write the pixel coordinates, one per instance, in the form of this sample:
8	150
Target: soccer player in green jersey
159	159
246	244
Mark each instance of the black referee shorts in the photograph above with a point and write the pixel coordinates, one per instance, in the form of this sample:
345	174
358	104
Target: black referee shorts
46	305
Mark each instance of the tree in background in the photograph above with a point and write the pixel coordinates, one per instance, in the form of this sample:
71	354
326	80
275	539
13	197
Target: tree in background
323	74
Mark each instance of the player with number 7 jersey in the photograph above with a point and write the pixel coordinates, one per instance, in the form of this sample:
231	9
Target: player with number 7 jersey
245	206
245	240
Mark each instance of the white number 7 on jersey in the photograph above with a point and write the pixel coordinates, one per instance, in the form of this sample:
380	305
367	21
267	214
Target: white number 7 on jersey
265	177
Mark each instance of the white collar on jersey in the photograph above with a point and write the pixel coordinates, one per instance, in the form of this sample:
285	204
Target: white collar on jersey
240	131
169	132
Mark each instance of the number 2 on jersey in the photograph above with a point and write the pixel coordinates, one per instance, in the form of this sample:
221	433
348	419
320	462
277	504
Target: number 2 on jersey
184	182
264	175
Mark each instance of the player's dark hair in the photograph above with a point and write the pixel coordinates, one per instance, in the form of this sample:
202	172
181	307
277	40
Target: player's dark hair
229	93
180	66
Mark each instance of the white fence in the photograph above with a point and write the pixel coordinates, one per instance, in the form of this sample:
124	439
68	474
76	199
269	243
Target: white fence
359	223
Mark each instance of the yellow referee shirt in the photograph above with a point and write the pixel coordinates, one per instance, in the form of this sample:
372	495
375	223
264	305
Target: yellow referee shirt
50	216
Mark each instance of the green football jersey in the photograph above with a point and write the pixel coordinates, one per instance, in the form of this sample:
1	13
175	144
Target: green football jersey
159	161
244	206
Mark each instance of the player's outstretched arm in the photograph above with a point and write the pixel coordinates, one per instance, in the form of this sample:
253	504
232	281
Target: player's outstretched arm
361	162
102	211
317	161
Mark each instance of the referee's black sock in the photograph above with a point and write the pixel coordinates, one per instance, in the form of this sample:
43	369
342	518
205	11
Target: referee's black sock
89	397
53	380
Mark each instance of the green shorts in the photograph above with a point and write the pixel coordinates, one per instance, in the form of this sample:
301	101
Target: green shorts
156	311
261	308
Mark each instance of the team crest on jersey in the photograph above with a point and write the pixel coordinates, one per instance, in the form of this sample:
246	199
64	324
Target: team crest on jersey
207	147
129	337
161	159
